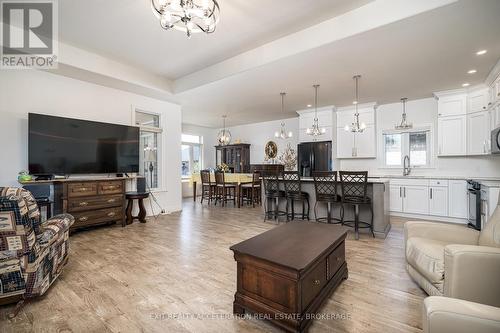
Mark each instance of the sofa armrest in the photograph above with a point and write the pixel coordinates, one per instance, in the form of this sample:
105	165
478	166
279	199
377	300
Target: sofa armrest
472	273
445	232
451	315
53	227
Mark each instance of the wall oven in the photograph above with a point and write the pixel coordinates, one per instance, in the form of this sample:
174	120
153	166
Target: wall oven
474	196
495	141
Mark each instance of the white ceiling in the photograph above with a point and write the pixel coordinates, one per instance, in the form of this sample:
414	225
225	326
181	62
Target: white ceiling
127	30
411	58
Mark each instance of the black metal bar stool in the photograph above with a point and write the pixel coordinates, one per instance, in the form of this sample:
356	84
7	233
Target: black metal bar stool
293	192
208	188
272	194
325	186
354	193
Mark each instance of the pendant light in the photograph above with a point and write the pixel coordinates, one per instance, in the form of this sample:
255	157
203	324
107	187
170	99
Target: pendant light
224	136
356	126
404	125
282	133
315	129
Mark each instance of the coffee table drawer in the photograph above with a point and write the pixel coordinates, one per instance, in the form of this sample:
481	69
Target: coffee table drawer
336	259
111	187
312	283
82	189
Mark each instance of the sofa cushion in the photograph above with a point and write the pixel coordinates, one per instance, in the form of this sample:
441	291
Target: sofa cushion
427	257
490	235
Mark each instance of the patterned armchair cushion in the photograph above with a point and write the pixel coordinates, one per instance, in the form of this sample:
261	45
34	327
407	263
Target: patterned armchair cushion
56	226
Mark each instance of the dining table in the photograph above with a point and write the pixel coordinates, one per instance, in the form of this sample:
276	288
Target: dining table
235	178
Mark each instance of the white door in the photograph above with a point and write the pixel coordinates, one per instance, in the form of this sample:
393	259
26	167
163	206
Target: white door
396	198
416	200
457	199
478	100
366	143
452	136
478	133
452	105
345	143
438	203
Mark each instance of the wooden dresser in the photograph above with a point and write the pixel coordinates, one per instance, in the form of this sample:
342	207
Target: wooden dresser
92	202
286	273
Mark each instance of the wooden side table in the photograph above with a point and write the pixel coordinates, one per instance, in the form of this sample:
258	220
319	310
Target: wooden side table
130	197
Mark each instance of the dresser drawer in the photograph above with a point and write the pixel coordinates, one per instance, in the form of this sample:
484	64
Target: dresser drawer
111	187
312	283
82	189
90	203
335	260
97	216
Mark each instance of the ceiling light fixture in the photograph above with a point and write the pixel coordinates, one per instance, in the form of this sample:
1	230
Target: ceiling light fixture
481	52
189	16
282	133
465	84
224	136
472	71
315	129
404	125
356	126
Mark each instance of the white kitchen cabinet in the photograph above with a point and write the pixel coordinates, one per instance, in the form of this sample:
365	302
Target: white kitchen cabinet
457	199
396	198
365	143
306	118
452	104
478	133
495	116
345	144
478	100
438	200
416	199
452	136
327	136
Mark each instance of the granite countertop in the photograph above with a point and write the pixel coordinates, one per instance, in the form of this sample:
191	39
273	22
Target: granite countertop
478	179
371	180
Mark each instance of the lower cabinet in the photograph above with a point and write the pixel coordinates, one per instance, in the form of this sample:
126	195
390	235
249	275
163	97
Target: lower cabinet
438	201
457	199
416	199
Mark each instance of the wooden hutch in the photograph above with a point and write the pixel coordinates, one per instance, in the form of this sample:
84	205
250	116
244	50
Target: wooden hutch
236	156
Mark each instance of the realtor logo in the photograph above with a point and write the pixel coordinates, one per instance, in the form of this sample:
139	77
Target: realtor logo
29	34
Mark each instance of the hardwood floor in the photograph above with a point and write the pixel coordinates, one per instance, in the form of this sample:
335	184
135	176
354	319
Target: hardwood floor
133	279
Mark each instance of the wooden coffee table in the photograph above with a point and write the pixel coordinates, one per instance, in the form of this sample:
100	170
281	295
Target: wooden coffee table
286	273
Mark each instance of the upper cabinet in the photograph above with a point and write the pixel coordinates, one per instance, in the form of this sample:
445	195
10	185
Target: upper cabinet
452	136
478	100
357	145
452	104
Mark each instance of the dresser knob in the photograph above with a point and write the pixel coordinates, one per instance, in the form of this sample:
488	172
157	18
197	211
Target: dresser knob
83	218
111	214
83	189
83	203
111	200
316	282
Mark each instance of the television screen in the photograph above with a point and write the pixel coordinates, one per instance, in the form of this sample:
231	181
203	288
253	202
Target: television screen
63	146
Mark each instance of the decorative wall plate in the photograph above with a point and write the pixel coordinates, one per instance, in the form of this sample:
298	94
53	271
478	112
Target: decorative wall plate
271	150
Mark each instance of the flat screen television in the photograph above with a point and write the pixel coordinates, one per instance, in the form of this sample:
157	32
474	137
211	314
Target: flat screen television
64	146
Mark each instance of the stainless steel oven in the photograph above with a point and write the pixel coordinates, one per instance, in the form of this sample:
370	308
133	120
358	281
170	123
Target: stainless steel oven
474	195
495	141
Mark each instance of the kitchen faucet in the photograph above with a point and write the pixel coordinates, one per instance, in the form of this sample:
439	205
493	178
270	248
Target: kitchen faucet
406	166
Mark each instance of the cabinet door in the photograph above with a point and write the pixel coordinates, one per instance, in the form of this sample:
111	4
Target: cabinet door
396	198
457	199
452	136
438	203
416	200
478	133
478	100
495	116
365	143
452	105
345	143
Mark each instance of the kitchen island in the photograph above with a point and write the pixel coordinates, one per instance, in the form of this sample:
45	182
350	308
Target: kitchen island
377	191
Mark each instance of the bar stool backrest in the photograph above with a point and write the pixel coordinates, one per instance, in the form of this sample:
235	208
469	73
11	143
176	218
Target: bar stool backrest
292	182
219	178
325	185
271	182
354	185
255	178
205	177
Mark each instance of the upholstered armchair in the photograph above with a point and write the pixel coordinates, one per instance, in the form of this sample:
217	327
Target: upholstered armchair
455	261
451	315
32	254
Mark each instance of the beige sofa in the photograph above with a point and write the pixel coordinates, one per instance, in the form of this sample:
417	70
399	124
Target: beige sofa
455	261
451	315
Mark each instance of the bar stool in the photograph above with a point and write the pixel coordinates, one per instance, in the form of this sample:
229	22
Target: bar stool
354	193
208	188
223	189
325	186
273	194
251	192
293	192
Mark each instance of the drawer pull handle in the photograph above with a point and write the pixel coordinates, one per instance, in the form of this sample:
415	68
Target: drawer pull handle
83	189
316	282
111	200
111	214
83	218
83	203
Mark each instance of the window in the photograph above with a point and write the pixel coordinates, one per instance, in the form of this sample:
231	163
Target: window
415	144
150	136
192	154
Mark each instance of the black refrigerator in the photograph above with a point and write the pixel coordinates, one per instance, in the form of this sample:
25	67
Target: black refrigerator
314	156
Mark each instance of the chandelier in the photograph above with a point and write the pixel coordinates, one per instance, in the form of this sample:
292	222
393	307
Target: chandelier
282	133
356	126
315	129
189	16
404	123
224	136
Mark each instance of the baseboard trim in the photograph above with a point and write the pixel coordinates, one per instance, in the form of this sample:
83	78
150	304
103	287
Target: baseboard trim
430	217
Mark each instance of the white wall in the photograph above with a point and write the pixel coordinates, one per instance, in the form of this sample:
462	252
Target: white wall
24	91
423	112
